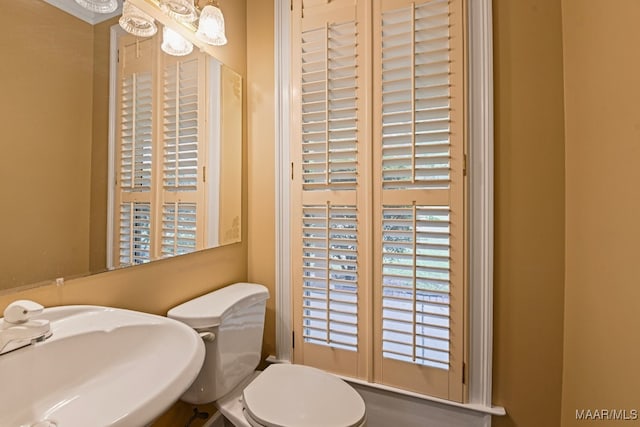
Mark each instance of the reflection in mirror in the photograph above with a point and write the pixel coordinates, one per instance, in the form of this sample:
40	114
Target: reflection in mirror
54	116
177	138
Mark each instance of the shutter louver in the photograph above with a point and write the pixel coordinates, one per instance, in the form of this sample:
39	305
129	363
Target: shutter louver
178	228
136	132
415	67
180	126
135	233
416	284
330	276
329	110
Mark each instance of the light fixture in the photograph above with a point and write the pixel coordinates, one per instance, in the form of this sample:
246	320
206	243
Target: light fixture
136	22
138	18
180	10
211	26
174	44
99	6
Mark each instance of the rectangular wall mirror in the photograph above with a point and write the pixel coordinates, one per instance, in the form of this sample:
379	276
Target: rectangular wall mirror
98	176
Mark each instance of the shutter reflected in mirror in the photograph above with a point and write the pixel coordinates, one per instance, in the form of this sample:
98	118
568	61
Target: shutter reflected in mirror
133	242
180	126
135	233
178	228
161	156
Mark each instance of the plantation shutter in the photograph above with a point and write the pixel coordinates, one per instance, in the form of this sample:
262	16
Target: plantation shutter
134	156
378	244
183	154
161	152
419	160
328	151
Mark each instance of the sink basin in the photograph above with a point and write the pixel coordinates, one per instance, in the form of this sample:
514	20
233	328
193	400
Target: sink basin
101	367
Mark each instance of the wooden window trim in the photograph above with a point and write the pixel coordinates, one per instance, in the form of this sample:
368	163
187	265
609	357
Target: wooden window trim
480	165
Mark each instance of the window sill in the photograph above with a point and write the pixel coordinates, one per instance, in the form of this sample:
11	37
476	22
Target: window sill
490	410
475	407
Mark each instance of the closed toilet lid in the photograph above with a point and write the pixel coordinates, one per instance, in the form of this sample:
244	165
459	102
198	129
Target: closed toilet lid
295	395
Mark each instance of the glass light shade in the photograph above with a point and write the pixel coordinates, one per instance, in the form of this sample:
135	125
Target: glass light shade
136	22
99	6
174	44
211	26
180	10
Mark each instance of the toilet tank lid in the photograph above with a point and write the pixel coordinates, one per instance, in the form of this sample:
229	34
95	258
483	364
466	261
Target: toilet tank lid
208	310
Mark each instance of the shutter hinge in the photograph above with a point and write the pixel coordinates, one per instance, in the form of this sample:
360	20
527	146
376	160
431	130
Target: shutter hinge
292	5
118	54
293	339
464	167
291	171
204	174
464	373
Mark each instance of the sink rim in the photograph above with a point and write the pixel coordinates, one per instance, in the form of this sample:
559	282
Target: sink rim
68	321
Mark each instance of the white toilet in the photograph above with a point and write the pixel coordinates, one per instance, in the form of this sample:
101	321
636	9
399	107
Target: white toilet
231	321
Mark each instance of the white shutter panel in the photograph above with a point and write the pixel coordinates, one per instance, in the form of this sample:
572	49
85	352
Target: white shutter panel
416	284
178	228
133	240
180	130
136	132
415	96
330	272
415	155
329	110
135	233
328	153
184	154
162	151
419	109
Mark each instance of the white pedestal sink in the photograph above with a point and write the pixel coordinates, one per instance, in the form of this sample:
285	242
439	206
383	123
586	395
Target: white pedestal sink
101	367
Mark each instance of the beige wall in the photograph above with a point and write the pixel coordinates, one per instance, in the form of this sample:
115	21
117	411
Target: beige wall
602	97
529	212
45	140
261	153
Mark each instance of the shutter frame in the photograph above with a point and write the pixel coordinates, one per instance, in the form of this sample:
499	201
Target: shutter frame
436	182
134	149
335	168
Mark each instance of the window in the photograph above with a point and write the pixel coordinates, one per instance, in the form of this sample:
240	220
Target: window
378	243
163	147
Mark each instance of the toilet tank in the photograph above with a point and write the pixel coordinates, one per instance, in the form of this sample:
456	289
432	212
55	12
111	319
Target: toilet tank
235	314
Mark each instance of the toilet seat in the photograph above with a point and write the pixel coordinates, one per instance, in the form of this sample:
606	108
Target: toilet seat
295	395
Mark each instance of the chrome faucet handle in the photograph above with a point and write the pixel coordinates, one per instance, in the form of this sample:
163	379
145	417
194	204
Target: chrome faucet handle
21	311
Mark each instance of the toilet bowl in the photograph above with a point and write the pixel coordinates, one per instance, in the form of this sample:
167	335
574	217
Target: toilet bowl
231	321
